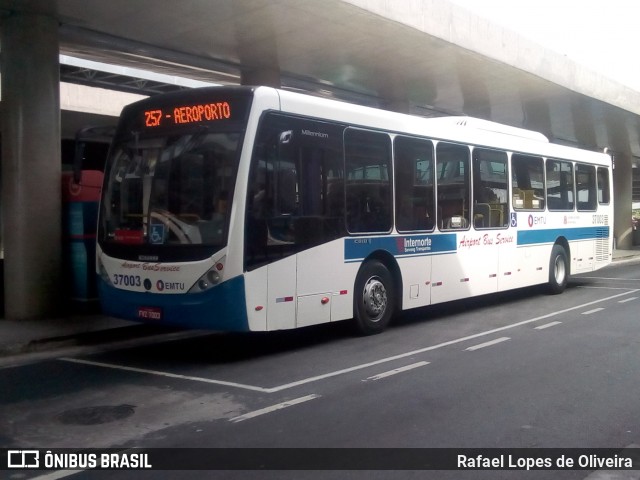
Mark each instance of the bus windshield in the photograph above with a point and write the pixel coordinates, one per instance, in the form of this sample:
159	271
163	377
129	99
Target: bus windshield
170	190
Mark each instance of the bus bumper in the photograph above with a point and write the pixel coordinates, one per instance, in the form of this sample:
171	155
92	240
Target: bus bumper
220	308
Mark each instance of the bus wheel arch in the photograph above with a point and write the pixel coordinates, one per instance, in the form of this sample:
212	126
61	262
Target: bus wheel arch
377	293
559	266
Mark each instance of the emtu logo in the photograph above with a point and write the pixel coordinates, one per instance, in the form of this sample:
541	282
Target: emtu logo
23	459
538	220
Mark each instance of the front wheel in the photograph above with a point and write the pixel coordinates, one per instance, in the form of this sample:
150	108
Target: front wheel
558	270
374	298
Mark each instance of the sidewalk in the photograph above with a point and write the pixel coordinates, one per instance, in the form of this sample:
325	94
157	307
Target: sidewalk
20	337
634	252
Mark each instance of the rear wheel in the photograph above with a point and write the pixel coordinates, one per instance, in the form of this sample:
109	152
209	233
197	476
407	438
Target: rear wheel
374	298
558	270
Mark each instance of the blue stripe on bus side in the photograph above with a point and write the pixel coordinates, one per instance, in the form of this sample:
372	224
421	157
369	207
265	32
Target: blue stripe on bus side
220	308
357	249
531	237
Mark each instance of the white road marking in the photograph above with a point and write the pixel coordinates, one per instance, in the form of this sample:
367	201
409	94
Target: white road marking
444	344
487	344
628	300
165	374
595	310
397	370
616	279
336	373
603	288
57	474
272	408
547	325
630	451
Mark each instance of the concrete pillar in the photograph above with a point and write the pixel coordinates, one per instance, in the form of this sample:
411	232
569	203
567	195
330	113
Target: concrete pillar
257	45
618	137
31	164
622	176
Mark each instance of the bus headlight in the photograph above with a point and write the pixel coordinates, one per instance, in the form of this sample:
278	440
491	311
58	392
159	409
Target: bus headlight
211	278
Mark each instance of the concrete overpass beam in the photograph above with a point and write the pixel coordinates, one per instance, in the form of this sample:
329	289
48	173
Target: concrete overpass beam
399	105
267	76
393	94
31	164
475	94
583	122
537	116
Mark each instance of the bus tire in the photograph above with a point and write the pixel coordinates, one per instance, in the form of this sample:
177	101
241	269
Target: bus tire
374	298
558	270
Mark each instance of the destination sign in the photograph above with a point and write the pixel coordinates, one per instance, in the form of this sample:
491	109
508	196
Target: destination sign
188	114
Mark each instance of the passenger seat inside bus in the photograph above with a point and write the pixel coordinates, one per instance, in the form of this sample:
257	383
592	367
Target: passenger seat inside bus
481	215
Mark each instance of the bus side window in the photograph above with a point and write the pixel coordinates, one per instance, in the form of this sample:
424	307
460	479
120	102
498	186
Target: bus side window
527	178
414	184
321	185
490	182
560	194
586	187
295	194
368	181
603	186
452	177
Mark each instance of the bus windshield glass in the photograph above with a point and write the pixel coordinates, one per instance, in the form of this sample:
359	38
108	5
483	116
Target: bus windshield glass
170	190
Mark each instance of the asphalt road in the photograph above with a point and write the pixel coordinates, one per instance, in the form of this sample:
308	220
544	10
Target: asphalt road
516	370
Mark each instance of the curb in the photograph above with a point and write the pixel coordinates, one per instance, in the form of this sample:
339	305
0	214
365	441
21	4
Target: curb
84	339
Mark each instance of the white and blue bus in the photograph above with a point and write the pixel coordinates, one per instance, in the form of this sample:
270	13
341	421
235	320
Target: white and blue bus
256	209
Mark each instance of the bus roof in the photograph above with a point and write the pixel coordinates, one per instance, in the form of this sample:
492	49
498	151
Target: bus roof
488	126
463	129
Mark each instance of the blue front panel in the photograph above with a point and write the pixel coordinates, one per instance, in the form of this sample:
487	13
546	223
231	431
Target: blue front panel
357	249
221	308
532	237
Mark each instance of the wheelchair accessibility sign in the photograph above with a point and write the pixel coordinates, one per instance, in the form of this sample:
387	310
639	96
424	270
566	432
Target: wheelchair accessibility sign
156	235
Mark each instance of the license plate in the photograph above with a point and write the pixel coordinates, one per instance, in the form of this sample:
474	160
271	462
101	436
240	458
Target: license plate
150	313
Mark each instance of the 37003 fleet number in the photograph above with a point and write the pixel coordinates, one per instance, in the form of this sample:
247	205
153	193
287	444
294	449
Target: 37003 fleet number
127	280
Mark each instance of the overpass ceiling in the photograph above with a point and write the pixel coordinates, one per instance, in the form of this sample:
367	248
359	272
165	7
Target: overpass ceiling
336	48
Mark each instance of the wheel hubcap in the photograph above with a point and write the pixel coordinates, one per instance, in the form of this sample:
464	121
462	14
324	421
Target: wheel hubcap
560	270
374	297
